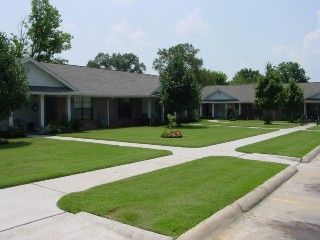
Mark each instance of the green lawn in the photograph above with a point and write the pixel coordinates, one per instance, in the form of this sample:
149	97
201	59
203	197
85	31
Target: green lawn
295	144
252	123
32	159
172	200
315	128
193	136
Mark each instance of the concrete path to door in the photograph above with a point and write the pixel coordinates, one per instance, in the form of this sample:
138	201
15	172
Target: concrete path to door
24	208
291	212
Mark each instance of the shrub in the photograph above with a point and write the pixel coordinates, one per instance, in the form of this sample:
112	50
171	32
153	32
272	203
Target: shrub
12	132
3	141
172	134
172	121
75	124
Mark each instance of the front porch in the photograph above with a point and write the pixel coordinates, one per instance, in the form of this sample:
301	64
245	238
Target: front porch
91	112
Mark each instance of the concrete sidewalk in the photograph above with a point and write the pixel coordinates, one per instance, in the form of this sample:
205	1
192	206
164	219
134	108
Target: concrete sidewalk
34	202
291	212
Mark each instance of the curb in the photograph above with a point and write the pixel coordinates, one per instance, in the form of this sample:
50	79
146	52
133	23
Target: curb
223	218
311	155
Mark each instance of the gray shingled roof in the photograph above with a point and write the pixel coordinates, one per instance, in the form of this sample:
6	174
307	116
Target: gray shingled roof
246	93
101	82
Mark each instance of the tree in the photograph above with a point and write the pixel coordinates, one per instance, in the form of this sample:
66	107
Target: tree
13	81
269	92
186	51
246	76
210	77
293	98
21	41
43	31
179	89
292	70
127	62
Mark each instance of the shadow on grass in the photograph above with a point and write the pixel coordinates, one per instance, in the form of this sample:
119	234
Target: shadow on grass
193	127
15	145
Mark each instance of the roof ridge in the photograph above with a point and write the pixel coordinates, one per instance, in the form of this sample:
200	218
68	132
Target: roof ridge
98	69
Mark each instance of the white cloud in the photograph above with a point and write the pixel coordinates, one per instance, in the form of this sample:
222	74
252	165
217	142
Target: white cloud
192	24
308	54
285	52
122	37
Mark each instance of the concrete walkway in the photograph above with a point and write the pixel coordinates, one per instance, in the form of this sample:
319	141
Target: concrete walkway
29	203
291	212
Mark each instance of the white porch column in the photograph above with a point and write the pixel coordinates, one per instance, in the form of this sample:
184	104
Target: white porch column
42	110
200	110
69	108
239	109
108	112
212	109
162	114
149	109
305	109
11	120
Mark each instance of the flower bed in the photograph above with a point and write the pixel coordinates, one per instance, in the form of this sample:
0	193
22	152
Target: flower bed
172	134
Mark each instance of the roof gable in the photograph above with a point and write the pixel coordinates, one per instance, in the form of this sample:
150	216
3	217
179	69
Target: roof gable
314	97
39	76
220	96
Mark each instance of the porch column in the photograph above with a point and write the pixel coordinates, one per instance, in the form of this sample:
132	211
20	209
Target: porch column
69	108
212	107
108	112
42	110
162	114
305	109
200	110
239	109
11	120
149	109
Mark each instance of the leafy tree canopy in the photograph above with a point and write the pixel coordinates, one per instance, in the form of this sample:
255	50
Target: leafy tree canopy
185	51
291	70
127	62
40	36
246	76
13	81
179	88
293	98
269	90
210	77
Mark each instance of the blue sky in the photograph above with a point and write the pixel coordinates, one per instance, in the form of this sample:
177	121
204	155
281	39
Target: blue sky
230	34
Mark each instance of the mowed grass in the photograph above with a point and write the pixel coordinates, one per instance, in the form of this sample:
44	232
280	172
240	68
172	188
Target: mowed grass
315	128
32	159
295	144
172	200
252	123
193	135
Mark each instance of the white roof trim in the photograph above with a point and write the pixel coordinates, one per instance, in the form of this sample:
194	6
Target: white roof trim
219	90
51	73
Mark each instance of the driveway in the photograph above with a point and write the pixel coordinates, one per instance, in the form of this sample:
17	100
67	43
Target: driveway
291	212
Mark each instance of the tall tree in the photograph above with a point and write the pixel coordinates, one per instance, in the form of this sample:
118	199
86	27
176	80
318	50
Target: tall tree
43	31
293	98
186	51
127	62
179	88
210	77
13	81
269	92
292	70
246	76
21	41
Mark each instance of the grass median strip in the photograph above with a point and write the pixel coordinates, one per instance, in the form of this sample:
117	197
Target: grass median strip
296	144
193	136
172	200
33	159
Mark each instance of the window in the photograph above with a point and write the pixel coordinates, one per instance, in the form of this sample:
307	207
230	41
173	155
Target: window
82	107
124	108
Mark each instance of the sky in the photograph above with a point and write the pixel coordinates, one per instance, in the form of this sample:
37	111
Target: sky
230	34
